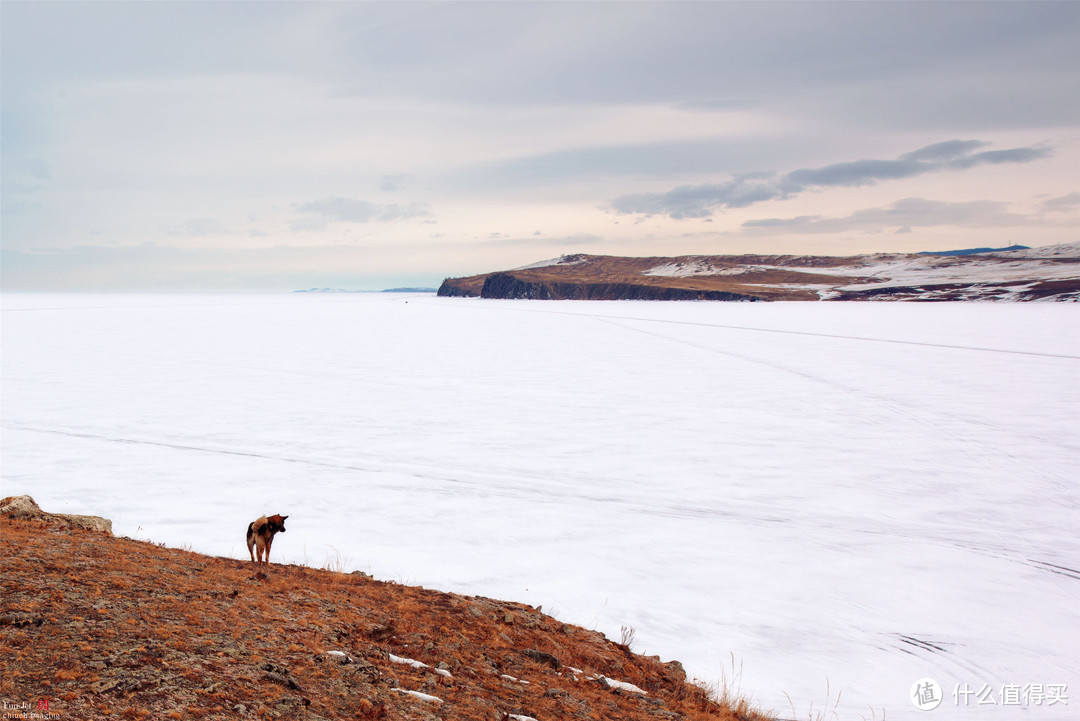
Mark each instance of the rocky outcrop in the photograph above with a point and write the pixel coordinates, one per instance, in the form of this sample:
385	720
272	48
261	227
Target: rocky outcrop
455	288
24	507
509	286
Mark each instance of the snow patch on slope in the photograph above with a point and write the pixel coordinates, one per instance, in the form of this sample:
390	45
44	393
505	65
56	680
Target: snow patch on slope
702	266
561	260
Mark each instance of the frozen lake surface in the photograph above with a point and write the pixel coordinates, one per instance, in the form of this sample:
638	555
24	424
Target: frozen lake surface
849	497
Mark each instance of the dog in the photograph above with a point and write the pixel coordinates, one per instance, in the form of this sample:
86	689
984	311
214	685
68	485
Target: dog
260	536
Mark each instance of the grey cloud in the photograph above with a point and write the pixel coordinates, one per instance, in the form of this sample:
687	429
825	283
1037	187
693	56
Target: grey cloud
1063	203
308	223
606	52
799	221
997	157
342	209
396	181
716	105
664	159
859	172
701	201
404	212
944	151
902	215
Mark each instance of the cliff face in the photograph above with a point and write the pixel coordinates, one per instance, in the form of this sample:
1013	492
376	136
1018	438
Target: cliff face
507	285
93	626
1021	274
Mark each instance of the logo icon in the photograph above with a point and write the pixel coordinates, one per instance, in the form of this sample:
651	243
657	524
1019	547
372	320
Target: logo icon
926	694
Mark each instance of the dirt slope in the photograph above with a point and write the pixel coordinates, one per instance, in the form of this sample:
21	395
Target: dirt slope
93	626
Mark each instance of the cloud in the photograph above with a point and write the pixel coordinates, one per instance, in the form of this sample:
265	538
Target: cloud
1064	203
701	201
902	215
997	157
345	210
664	157
944	151
396	181
308	223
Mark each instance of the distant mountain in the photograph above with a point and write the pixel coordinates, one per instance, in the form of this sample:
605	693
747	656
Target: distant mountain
1050	273
975	251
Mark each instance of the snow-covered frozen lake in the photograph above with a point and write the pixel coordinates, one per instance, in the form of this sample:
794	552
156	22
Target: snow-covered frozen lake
851	497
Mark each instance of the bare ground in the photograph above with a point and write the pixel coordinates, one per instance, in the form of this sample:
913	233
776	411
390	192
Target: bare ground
93	626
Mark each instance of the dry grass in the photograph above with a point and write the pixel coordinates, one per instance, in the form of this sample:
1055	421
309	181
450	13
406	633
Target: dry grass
110	627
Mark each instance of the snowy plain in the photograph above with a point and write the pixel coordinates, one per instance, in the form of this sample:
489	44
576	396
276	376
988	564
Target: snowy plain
801	500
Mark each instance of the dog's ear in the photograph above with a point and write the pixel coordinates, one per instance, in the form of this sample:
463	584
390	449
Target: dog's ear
284	517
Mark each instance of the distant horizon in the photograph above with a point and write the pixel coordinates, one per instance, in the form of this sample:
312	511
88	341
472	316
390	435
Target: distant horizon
282	145
420	287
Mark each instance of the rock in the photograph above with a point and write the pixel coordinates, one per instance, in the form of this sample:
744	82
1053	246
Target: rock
283	680
25	508
509	286
365	669
674	672
19	619
20	507
381	632
104	685
544	658
336	656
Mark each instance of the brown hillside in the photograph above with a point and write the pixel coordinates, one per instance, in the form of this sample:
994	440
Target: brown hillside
93	626
1051	273
622	277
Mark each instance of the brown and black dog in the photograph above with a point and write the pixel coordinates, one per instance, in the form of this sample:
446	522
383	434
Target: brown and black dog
260	535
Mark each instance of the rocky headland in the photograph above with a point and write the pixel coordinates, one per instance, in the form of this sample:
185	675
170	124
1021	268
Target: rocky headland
1017	273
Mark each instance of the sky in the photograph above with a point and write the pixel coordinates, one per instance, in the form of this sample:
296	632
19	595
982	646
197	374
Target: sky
280	146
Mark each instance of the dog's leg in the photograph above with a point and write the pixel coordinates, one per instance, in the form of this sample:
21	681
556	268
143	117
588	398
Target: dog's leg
269	542
251	541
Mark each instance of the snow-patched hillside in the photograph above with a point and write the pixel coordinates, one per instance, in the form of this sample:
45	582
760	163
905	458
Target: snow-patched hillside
1008	275
1036	274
